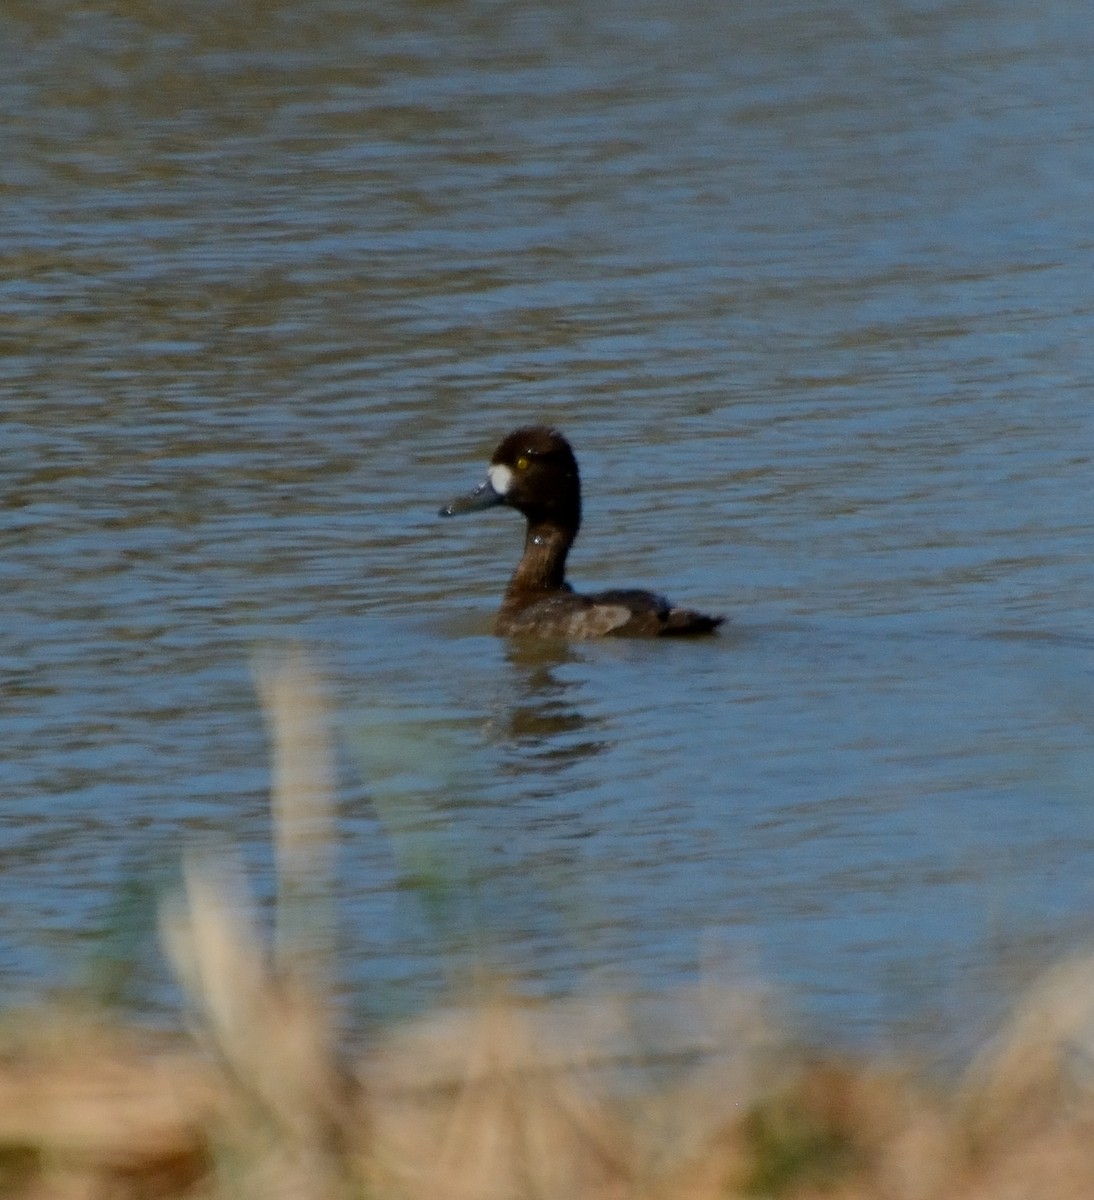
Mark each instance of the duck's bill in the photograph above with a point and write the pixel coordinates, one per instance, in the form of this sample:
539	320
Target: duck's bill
484	496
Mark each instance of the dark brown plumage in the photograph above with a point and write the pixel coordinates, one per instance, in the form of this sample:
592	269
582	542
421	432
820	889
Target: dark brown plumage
534	471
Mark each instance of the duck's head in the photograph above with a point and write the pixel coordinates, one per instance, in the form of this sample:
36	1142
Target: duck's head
534	471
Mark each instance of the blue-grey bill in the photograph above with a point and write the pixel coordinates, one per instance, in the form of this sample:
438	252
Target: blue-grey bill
483	496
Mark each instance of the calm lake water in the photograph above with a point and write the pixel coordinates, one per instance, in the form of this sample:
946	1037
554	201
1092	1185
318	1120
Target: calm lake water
809	285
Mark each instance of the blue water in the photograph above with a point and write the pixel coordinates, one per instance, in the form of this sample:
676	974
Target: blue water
808	288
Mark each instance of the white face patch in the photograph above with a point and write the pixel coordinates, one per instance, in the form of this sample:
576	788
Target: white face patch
500	478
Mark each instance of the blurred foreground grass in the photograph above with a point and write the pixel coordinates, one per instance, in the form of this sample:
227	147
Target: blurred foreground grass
699	1096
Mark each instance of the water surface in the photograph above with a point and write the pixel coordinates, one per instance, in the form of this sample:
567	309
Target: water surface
808	287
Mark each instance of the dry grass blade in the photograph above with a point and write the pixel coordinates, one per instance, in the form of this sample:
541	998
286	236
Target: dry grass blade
302	808
493	1110
267	1017
1042	1063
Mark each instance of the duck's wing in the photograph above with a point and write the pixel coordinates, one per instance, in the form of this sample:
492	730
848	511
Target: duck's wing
565	615
621	612
647	614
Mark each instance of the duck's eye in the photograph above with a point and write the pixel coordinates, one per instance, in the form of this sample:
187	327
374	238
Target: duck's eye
522	463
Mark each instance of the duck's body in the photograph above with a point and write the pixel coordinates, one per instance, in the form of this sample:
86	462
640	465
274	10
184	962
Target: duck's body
534	471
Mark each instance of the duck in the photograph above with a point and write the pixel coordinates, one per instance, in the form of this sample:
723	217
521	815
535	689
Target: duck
534	470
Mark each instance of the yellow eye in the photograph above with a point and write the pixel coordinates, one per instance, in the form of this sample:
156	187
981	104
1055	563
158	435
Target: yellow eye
522	463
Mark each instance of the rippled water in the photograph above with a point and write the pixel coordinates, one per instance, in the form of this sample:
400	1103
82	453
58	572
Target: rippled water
808	287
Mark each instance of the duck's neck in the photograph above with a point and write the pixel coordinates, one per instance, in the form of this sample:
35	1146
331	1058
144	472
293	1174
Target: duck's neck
542	567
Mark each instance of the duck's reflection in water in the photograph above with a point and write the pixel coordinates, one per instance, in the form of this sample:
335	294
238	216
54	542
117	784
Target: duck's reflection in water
542	717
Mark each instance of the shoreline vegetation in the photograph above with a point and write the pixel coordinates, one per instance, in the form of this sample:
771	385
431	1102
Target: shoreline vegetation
699	1095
